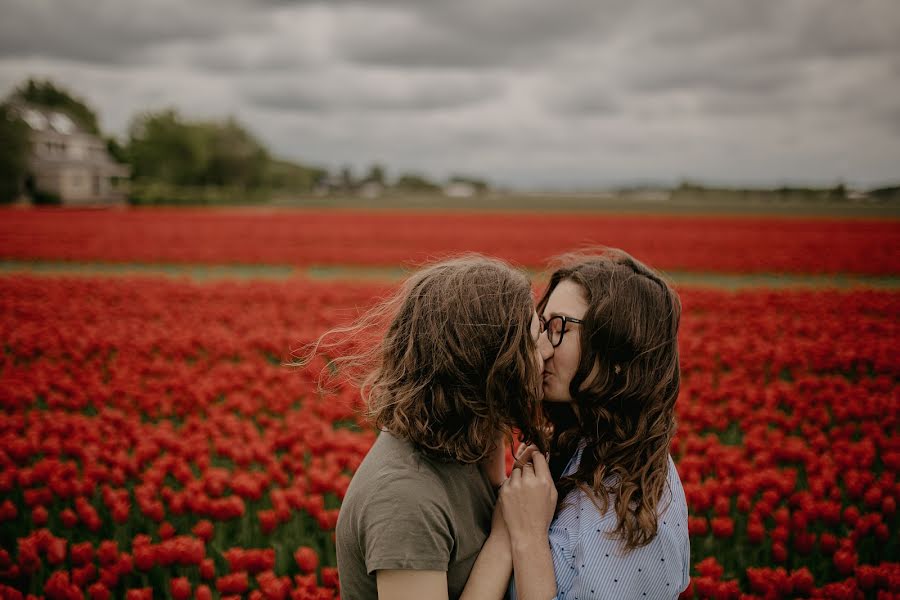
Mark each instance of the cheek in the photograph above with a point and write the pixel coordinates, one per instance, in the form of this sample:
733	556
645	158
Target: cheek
567	361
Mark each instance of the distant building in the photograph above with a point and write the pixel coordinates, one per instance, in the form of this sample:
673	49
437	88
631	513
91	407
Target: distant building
70	163
460	189
370	189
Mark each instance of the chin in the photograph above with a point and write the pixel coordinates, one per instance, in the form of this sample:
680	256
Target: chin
549	396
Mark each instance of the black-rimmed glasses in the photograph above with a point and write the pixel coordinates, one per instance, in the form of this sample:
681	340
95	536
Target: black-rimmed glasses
556	328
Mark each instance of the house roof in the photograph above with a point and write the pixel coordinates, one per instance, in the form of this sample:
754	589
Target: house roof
41	119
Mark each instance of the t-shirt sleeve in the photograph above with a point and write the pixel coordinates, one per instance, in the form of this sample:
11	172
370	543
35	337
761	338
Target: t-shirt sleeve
406	526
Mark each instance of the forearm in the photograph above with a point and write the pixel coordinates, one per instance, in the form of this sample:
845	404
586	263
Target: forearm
489	578
533	567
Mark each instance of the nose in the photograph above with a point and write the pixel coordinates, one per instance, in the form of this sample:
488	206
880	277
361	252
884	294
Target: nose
545	347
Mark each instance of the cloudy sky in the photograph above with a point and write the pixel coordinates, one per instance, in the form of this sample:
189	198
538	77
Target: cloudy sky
529	93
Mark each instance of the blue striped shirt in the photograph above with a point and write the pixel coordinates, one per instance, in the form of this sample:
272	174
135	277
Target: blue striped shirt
589	565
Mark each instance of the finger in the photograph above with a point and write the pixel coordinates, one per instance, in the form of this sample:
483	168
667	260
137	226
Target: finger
520	449
541	469
525	455
528	475
515	476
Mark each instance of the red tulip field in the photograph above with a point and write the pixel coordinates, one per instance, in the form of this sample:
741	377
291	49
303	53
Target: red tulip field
389	238
155	444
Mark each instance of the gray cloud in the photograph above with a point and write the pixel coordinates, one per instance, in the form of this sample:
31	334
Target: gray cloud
353	91
112	31
468	33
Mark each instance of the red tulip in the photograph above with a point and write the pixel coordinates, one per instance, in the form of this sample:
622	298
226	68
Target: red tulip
207	569
203	530
722	527
845	561
180	588
202	593
234	583
39	516
330	577
56	551
99	591
709	567
306	559
68	517
108	552
166	530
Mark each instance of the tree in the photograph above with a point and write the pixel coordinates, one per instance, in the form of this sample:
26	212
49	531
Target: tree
376	174
45	94
234	156
116	150
13	154
413	182
348	181
480	185
284	175
163	148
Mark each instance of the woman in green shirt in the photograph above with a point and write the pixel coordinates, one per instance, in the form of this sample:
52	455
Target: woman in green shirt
457	369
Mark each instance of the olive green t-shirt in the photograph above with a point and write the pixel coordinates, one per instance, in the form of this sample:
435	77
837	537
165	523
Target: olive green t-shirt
404	510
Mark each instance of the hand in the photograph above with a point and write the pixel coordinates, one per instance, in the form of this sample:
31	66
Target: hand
528	500
524	454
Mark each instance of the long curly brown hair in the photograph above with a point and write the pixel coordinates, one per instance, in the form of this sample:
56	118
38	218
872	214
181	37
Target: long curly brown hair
455	364
626	408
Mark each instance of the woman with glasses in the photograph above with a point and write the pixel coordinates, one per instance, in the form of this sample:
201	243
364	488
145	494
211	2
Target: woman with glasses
458	366
610	385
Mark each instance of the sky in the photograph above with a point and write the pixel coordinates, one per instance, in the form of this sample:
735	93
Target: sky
530	94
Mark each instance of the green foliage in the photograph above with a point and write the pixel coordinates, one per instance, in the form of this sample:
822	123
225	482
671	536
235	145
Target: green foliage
348	180
413	182
46	94
288	176
891	193
13	154
166	149
205	162
376	174
116	150
480	185
151	193
45	198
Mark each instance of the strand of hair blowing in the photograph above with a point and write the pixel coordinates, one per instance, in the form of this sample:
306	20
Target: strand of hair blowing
627	418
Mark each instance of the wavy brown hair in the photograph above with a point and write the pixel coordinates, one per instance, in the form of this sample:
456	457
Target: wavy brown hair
455	365
626	408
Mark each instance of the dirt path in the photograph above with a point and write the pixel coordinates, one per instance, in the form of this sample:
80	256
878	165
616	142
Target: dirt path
348	273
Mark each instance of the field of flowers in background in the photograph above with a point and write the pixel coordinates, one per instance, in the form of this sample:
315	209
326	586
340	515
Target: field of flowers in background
152	444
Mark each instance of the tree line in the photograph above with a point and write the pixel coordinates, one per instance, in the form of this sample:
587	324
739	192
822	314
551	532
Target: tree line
173	158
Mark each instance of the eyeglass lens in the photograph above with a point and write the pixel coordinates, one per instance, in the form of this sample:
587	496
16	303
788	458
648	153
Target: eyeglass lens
555	329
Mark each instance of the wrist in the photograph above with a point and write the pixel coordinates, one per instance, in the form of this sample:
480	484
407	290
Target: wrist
498	544
527	543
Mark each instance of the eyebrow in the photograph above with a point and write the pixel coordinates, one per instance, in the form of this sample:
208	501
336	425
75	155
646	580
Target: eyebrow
559	314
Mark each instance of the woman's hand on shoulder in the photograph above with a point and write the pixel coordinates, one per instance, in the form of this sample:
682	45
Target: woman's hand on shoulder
528	500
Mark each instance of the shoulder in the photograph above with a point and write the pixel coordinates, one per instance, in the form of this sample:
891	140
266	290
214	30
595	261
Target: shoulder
394	472
580	529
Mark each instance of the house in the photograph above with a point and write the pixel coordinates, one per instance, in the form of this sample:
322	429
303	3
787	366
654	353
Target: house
69	163
460	189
